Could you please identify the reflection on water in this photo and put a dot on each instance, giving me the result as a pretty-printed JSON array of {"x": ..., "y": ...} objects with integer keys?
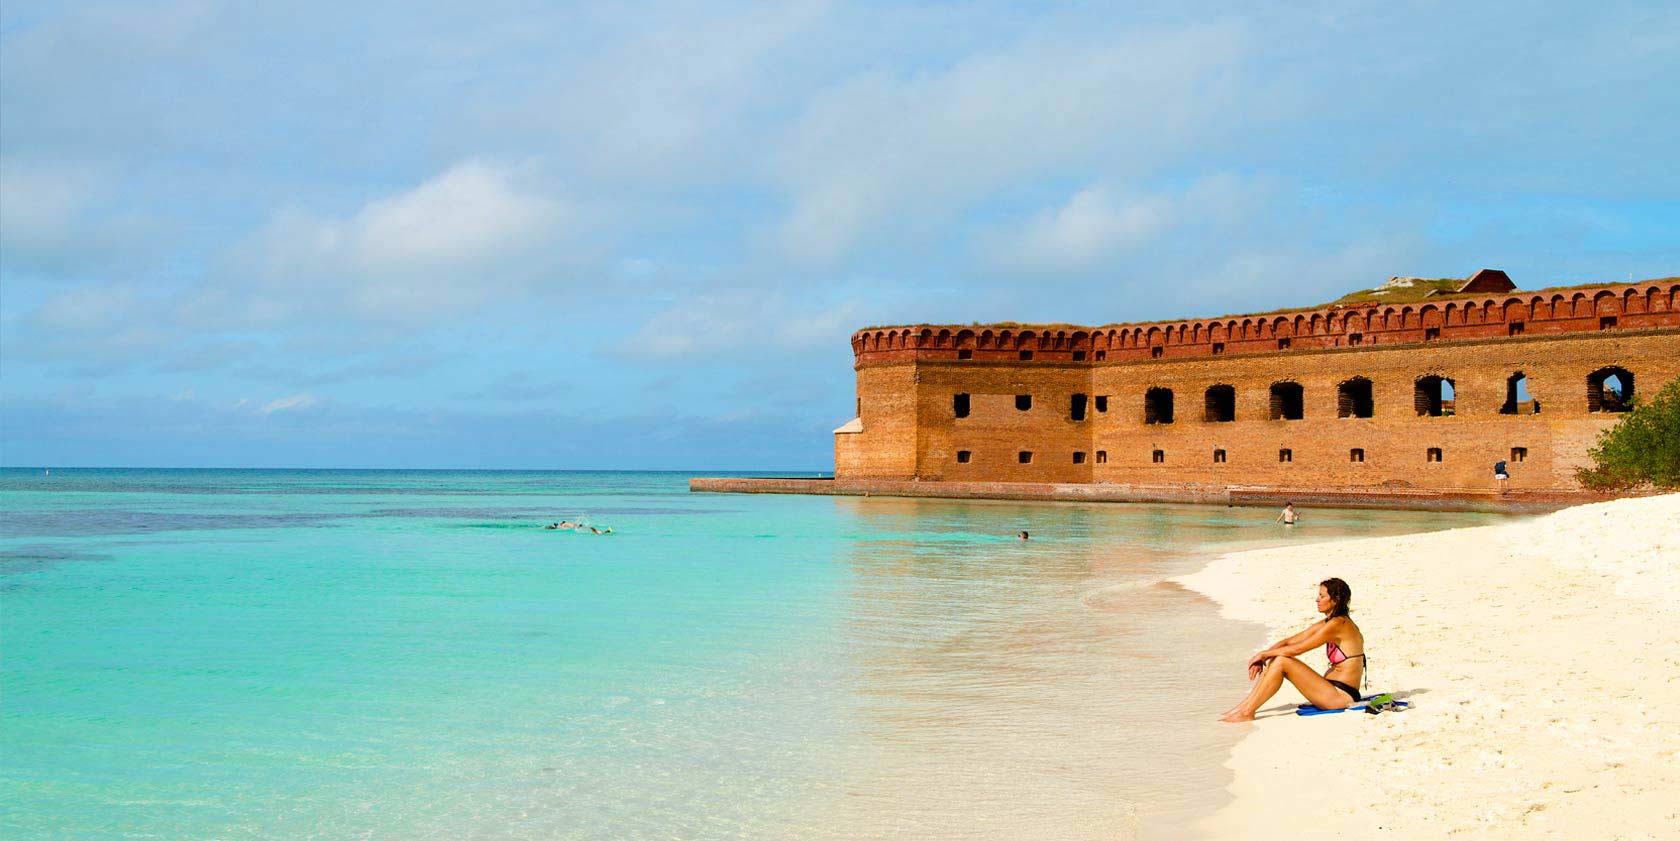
[
  {"x": 1046, "y": 688},
  {"x": 251, "y": 654}
]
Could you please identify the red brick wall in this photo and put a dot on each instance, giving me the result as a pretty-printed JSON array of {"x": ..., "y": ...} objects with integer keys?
[
  {"x": 1645, "y": 305},
  {"x": 907, "y": 376}
]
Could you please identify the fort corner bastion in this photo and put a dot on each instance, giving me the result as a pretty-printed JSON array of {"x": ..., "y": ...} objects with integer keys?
[{"x": 1405, "y": 395}]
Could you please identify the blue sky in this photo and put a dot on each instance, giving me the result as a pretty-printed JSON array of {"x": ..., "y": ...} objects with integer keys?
[{"x": 530, "y": 235}]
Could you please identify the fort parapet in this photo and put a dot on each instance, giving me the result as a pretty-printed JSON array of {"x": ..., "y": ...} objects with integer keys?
[{"x": 1428, "y": 394}]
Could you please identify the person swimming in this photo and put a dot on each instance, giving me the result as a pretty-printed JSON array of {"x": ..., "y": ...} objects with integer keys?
[{"x": 1024, "y": 536}]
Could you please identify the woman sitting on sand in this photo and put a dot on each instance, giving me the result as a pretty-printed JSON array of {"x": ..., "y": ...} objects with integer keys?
[{"x": 1343, "y": 644}]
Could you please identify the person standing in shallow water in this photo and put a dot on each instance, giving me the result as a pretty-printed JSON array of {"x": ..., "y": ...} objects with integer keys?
[
  {"x": 1343, "y": 643},
  {"x": 1288, "y": 516}
]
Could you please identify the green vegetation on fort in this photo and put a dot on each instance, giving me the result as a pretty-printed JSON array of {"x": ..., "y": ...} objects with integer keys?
[
  {"x": 1643, "y": 448},
  {"x": 1434, "y": 289}
]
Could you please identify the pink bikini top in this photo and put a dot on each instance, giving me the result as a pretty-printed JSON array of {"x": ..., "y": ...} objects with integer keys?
[{"x": 1334, "y": 652}]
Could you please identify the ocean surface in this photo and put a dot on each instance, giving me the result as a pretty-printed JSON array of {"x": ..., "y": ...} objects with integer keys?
[{"x": 410, "y": 654}]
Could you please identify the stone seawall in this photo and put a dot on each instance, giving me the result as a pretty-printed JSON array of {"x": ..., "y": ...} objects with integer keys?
[{"x": 1515, "y": 502}]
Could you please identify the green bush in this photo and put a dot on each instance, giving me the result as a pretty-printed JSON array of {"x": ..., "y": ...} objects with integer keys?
[{"x": 1643, "y": 448}]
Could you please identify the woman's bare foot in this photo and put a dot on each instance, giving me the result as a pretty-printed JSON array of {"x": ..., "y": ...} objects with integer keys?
[{"x": 1236, "y": 716}]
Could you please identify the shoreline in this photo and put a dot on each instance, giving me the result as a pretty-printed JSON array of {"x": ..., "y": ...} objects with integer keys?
[
  {"x": 1536, "y": 653},
  {"x": 1471, "y": 500}
]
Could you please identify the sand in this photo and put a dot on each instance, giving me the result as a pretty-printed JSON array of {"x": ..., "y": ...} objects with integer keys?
[{"x": 1542, "y": 658}]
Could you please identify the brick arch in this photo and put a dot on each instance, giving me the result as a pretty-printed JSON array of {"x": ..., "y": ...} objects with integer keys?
[
  {"x": 1605, "y": 303},
  {"x": 1388, "y": 319},
  {"x": 1674, "y": 297},
  {"x": 1315, "y": 325},
  {"x": 1600, "y": 398},
  {"x": 1631, "y": 300},
  {"x": 1219, "y": 403},
  {"x": 1026, "y": 340},
  {"x": 1559, "y": 307},
  {"x": 964, "y": 339},
  {"x": 1578, "y": 304},
  {"x": 988, "y": 339},
  {"x": 1154, "y": 333},
  {"x": 1514, "y": 309},
  {"x": 925, "y": 338},
  {"x": 1354, "y": 398},
  {"x": 1654, "y": 300},
  {"x": 1281, "y": 322},
  {"x": 1081, "y": 340},
  {"x": 1006, "y": 340},
  {"x": 1429, "y": 395},
  {"x": 1429, "y": 316},
  {"x": 904, "y": 338}
]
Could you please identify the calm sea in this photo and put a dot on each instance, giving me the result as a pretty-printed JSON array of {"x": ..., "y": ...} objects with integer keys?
[{"x": 394, "y": 654}]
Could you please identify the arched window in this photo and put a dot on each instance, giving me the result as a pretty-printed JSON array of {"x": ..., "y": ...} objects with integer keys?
[
  {"x": 1221, "y": 404},
  {"x": 1433, "y": 397},
  {"x": 1353, "y": 399},
  {"x": 1158, "y": 405},
  {"x": 1609, "y": 390},
  {"x": 1518, "y": 399},
  {"x": 1287, "y": 402}
]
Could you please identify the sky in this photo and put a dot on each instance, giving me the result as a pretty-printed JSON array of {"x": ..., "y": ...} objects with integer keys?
[{"x": 639, "y": 236}]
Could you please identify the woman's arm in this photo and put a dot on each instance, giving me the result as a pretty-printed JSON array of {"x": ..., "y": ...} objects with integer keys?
[
  {"x": 1292, "y": 640},
  {"x": 1315, "y": 635}
]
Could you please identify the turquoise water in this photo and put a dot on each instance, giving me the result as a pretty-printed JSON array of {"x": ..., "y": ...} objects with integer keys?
[{"x": 348, "y": 654}]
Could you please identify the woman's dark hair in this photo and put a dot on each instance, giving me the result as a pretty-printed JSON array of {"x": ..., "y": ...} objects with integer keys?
[{"x": 1340, "y": 593}]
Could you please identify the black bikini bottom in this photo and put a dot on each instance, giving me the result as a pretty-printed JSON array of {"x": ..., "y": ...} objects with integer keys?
[{"x": 1352, "y": 693}]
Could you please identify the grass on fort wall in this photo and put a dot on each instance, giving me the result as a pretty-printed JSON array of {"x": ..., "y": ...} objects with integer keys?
[
  {"x": 1644, "y": 448},
  {"x": 1366, "y": 296}
]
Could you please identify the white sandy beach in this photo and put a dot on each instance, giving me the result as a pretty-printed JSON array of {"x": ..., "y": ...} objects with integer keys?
[{"x": 1542, "y": 658}]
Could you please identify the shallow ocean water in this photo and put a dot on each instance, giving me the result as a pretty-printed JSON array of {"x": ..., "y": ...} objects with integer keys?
[{"x": 409, "y": 654}]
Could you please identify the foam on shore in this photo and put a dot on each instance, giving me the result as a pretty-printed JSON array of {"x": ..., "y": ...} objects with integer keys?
[{"x": 1542, "y": 658}]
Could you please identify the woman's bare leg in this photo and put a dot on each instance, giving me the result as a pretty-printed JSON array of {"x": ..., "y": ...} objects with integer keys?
[{"x": 1312, "y": 685}]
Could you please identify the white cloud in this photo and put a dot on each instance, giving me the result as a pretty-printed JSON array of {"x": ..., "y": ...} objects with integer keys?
[
  {"x": 880, "y": 151},
  {"x": 761, "y": 320},
  {"x": 454, "y": 241},
  {"x": 1092, "y": 226},
  {"x": 40, "y": 204},
  {"x": 289, "y": 403},
  {"x": 1100, "y": 224}
]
